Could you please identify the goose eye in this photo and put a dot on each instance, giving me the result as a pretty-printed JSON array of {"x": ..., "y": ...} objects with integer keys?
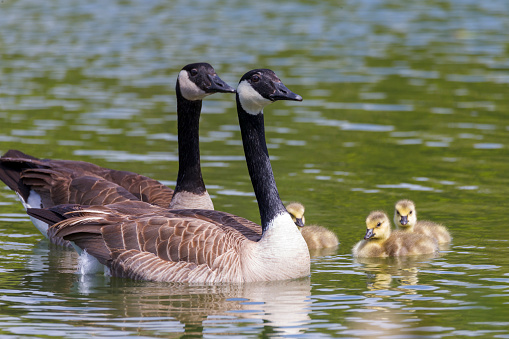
[
  {"x": 194, "y": 71},
  {"x": 410, "y": 212},
  {"x": 255, "y": 78},
  {"x": 378, "y": 224}
]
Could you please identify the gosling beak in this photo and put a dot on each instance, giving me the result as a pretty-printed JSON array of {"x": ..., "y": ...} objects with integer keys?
[
  {"x": 283, "y": 93},
  {"x": 217, "y": 85},
  {"x": 404, "y": 220},
  {"x": 299, "y": 222},
  {"x": 369, "y": 234}
]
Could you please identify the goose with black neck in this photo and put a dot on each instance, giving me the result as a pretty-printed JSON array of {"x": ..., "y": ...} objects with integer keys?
[
  {"x": 198, "y": 246},
  {"x": 257, "y": 89},
  {"x": 194, "y": 83},
  {"x": 47, "y": 182}
]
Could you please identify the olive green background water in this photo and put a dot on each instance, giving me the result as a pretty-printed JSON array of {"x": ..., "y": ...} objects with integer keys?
[{"x": 402, "y": 99}]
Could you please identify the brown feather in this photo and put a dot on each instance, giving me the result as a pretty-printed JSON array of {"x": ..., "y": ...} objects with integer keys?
[{"x": 168, "y": 236}]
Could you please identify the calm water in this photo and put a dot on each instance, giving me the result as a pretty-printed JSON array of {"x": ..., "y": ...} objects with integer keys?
[{"x": 402, "y": 99}]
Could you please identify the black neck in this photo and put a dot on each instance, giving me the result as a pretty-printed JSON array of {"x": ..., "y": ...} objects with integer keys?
[
  {"x": 188, "y": 115},
  {"x": 258, "y": 164}
]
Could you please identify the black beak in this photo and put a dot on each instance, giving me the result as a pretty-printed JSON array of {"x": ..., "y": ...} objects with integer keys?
[
  {"x": 218, "y": 86},
  {"x": 404, "y": 220},
  {"x": 283, "y": 93},
  {"x": 369, "y": 234},
  {"x": 299, "y": 222}
]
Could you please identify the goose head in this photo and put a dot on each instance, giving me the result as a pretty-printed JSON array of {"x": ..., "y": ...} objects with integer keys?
[
  {"x": 405, "y": 215},
  {"x": 378, "y": 226},
  {"x": 260, "y": 87},
  {"x": 296, "y": 210},
  {"x": 196, "y": 81}
]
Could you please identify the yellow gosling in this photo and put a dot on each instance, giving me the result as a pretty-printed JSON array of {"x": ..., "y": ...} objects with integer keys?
[
  {"x": 379, "y": 241},
  {"x": 316, "y": 236},
  {"x": 405, "y": 218}
]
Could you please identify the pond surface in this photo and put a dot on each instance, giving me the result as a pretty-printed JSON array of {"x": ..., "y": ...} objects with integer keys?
[{"x": 402, "y": 99}]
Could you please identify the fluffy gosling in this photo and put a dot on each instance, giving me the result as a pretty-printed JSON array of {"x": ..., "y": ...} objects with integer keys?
[
  {"x": 379, "y": 241},
  {"x": 405, "y": 218},
  {"x": 316, "y": 236}
]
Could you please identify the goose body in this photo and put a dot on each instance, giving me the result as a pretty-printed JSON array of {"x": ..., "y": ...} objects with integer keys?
[
  {"x": 379, "y": 241},
  {"x": 405, "y": 218},
  {"x": 142, "y": 241},
  {"x": 43, "y": 183},
  {"x": 316, "y": 237}
]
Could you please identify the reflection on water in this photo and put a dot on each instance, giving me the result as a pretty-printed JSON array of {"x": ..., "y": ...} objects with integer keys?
[
  {"x": 401, "y": 100},
  {"x": 113, "y": 306},
  {"x": 381, "y": 272}
]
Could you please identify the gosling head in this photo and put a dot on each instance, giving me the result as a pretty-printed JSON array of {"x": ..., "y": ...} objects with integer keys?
[
  {"x": 296, "y": 210},
  {"x": 196, "y": 81},
  {"x": 260, "y": 87},
  {"x": 378, "y": 226},
  {"x": 405, "y": 215}
]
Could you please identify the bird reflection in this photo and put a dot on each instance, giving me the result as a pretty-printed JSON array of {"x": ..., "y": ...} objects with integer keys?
[
  {"x": 323, "y": 252},
  {"x": 280, "y": 307},
  {"x": 394, "y": 272},
  {"x": 382, "y": 315}
]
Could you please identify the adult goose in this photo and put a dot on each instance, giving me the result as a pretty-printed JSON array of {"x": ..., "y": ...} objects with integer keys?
[
  {"x": 46, "y": 183},
  {"x": 198, "y": 246}
]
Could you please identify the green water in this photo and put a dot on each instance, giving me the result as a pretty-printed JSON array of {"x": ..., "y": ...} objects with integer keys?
[{"x": 402, "y": 99}]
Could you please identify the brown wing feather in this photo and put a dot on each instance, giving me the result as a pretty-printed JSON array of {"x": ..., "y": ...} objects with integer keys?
[
  {"x": 144, "y": 188},
  {"x": 247, "y": 228},
  {"x": 169, "y": 237},
  {"x": 12, "y": 164},
  {"x": 146, "y": 266},
  {"x": 20, "y": 171},
  {"x": 132, "y": 234}
]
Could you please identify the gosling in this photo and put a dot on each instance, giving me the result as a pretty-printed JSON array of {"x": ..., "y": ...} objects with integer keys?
[
  {"x": 316, "y": 236},
  {"x": 379, "y": 241},
  {"x": 405, "y": 218}
]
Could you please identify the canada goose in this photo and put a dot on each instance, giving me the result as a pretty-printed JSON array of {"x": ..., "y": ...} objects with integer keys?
[
  {"x": 46, "y": 183},
  {"x": 198, "y": 246},
  {"x": 405, "y": 218},
  {"x": 316, "y": 236},
  {"x": 379, "y": 241}
]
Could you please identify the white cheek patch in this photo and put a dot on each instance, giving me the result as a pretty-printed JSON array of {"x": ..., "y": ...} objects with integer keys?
[
  {"x": 189, "y": 89},
  {"x": 250, "y": 100}
]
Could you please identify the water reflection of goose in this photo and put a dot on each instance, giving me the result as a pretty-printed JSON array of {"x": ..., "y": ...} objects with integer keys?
[
  {"x": 280, "y": 307},
  {"x": 379, "y": 241},
  {"x": 405, "y": 218},
  {"x": 317, "y": 237},
  {"x": 198, "y": 245},
  {"x": 46, "y": 183}
]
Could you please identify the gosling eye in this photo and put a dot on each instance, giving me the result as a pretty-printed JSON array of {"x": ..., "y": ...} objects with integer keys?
[
  {"x": 397, "y": 212},
  {"x": 410, "y": 212},
  {"x": 378, "y": 224},
  {"x": 255, "y": 78},
  {"x": 194, "y": 71}
]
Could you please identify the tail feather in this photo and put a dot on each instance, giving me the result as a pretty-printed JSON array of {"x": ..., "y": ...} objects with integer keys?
[
  {"x": 10, "y": 174},
  {"x": 71, "y": 223},
  {"x": 48, "y": 216},
  {"x": 13, "y": 153},
  {"x": 12, "y": 165}
]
